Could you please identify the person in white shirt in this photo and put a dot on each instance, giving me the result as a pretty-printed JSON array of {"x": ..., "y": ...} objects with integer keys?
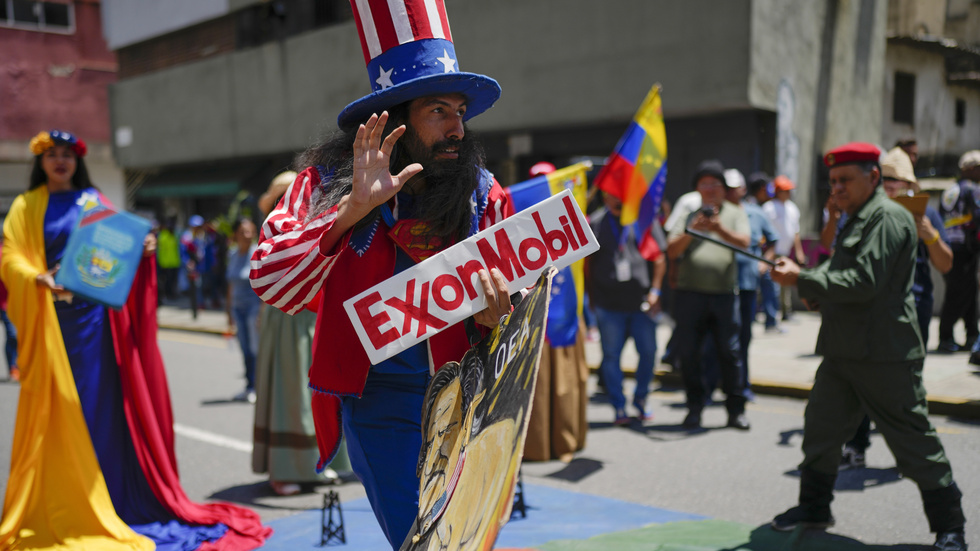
[
  {"x": 785, "y": 217},
  {"x": 685, "y": 205}
]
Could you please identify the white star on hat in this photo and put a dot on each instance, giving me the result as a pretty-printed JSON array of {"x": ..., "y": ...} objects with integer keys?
[
  {"x": 449, "y": 62},
  {"x": 385, "y": 79}
]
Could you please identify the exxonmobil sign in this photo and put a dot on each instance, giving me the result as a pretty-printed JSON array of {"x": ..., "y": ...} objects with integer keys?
[{"x": 445, "y": 289}]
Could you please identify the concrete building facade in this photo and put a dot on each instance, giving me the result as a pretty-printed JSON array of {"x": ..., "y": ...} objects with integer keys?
[
  {"x": 759, "y": 84},
  {"x": 55, "y": 70},
  {"x": 932, "y": 81}
]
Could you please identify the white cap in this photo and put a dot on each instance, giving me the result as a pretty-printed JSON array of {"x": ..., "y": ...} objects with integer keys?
[{"x": 734, "y": 178}]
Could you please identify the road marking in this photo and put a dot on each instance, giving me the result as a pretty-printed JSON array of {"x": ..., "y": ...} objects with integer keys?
[
  {"x": 948, "y": 430},
  {"x": 212, "y": 438}
]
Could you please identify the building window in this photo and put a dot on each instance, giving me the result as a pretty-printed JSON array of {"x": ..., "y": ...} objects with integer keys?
[
  {"x": 54, "y": 17},
  {"x": 960, "y": 112},
  {"x": 903, "y": 104}
]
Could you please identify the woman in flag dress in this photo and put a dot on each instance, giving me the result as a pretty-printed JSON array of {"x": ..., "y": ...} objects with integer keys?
[{"x": 93, "y": 463}]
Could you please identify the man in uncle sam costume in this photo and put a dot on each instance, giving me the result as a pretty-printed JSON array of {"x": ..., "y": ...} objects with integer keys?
[{"x": 401, "y": 181}]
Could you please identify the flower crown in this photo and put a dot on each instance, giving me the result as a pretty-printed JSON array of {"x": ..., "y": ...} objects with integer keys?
[{"x": 46, "y": 140}]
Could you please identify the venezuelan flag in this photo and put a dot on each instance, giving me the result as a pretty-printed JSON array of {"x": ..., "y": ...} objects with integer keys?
[
  {"x": 568, "y": 286},
  {"x": 636, "y": 172}
]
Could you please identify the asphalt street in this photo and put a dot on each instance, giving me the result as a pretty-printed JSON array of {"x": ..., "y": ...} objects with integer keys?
[{"x": 744, "y": 477}]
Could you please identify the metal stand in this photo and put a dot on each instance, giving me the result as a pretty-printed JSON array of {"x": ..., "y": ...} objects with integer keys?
[
  {"x": 331, "y": 529},
  {"x": 519, "y": 505}
]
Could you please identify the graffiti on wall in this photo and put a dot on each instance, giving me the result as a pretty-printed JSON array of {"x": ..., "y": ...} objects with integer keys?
[{"x": 787, "y": 142}]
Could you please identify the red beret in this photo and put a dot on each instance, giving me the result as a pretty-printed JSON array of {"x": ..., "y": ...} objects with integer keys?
[{"x": 854, "y": 152}]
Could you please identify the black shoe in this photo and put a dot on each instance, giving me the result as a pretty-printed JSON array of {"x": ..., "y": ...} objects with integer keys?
[
  {"x": 974, "y": 358},
  {"x": 740, "y": 422},
  {"x": 947, "y": 347},
  {"x": 950, "y": 541},
  {"x": 801, "y": 516},
  {"x": 692, "y": 421}
]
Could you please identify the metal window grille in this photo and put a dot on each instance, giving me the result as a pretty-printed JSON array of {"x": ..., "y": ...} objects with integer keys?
[{"x": 55, "y": 17}]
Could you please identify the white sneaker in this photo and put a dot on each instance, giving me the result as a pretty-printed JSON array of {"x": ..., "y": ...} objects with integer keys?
[
  {"x": 851, "y": 459},
  {"x": 285, "y": 488},
  {"x": 245, "y": 396}
]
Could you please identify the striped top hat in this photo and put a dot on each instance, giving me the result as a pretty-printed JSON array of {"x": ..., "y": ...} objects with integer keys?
[{"x": 409, "y": 53}]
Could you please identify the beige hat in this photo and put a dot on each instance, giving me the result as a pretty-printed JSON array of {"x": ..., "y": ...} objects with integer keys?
[
  {"x": 277, "y": 189},
  {"x": 969, "y": 160},
  {"x": 896, "y": 165}
]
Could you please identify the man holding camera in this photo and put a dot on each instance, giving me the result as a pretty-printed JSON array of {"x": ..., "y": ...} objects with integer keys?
[{"x": 706, "y": 291}]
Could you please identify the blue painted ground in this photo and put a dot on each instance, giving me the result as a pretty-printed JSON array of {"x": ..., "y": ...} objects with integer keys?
[{"x": 552, "y": 515}]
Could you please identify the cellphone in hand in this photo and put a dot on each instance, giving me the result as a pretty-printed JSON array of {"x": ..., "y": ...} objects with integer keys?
[{"x": 708, "y": 212}]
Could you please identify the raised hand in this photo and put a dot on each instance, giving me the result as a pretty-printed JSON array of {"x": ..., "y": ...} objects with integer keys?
[{"x": 373, "y": 182}]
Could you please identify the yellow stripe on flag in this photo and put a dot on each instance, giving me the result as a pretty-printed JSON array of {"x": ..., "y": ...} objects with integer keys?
[{"x": 574, "y": 178}]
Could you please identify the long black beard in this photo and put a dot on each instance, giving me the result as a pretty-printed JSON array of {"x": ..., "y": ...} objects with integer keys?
[{"x": 445, "y": 203}]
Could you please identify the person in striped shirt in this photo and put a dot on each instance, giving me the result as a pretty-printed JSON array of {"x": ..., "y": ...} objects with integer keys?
[{"x": 402, "y": 180}]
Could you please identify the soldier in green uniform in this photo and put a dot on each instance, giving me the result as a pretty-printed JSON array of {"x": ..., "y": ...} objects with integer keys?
[{"x": 872, "y": 352}]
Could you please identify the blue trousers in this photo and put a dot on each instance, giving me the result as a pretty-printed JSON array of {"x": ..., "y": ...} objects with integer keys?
[
  {"x": 383, "y": 429},
  {"x": 11, "y": 344},
  {"x": 614, "y": 328},
  {"x": 746, "y": 305},
  {"x": 923, "y": 309},
  {"x": 770, "y": 299},
  {"x": 246, "y": 320}
]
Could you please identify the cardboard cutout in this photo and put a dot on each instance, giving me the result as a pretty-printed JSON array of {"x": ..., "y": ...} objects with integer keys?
[{"x": 474, "y": 422}]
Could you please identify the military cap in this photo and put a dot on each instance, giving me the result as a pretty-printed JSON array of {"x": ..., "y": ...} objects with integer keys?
[{"x": 854, "y": 152}]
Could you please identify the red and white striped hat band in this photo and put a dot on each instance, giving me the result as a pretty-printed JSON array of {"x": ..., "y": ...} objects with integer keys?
[{"x": 409, "y": 52}]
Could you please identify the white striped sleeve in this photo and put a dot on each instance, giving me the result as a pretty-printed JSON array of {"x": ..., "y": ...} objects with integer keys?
[{"x": 287, "y": 267}]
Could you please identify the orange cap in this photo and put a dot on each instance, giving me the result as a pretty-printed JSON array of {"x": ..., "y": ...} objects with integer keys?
[{"x": 783, "y": 183}]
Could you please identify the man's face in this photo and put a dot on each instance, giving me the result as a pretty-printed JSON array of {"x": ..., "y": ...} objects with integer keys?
[
  {"x": 851, "y": 186},
  {"x": 783, "y": 195},
  {"x": 613, "y": 204},
  {"x": 712, "y": 190},
  {"x": 972, "y": 173},
  {"x": 734, "y": 195},
  {"x": 895, "y": 188},
  {"x": 913, "y": 152},
  {"x": 435, "y": 127}
]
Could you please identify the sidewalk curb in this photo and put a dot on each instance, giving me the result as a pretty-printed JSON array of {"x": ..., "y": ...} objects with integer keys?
[
  {"x": 938, "y": 405},
  {"x": 208, "y": 330}
]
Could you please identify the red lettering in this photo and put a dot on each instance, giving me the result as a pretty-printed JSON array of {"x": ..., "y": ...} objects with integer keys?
[
  {"x": 573, "y": 214},
  {"x": 372, "y": 323},
  {"x": 466, "y": 273},
  {"x": 413, "y": 312},
  {"x": 568, "y": 233},
  {"x": 527, "y": 245},
  {"x": 507, "y": 258},
  {"x": 440, "y": 283},
  {"x": 549, "y": 238}
]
